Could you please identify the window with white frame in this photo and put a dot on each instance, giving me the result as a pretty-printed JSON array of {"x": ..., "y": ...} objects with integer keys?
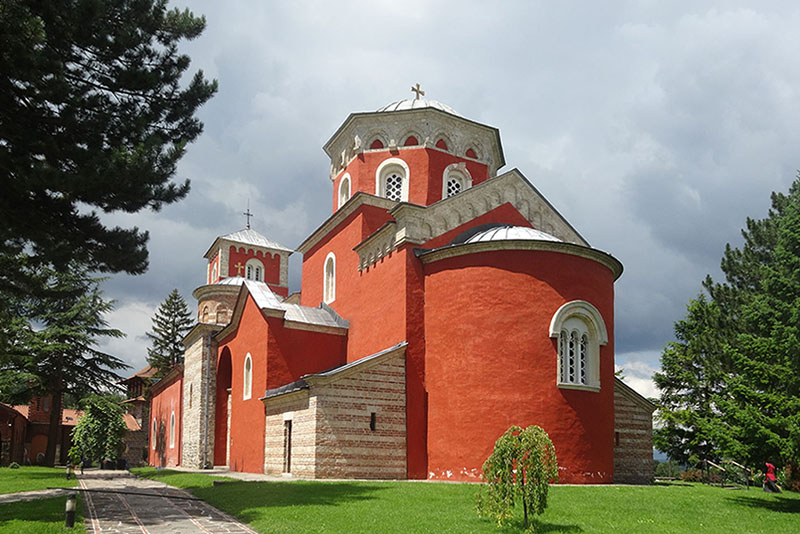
[
  {"x": 254, "y": 270},
  {"x": 456, "y": 178},
  {"x": 344, "y": 190},
  {"x": 213, "y": 273},
  {"x": 392, "y": 180},
  {"x": 580, "y": 331},
  {"x": 154, "y": 435},
  {"x": 329, "y": 283},
  {"x": 247, "y": 388},
  {"x": 172, "y": 430}
]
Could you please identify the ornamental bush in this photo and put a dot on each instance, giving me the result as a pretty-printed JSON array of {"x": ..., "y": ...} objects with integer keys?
[{"x": 521, "y": 468}]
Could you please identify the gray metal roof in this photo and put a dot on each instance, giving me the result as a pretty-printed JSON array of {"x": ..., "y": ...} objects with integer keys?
[
  {"x": 323, "y": 315},
  {"x": 511, "y": 233},
  {"x": 288, "y": 388},
  {"x": 231, "y": 281},
  {"x": 413, "y": 103},
  {"x": 251, "y": 237}
]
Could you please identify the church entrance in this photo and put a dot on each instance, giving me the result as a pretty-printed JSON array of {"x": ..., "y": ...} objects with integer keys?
[{"x": 222, "y": 411}]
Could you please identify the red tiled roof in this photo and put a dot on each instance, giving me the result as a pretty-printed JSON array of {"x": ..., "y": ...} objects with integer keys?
[
  {"x": 146, "y": 372},
  {"x": 23, "y": 409},
  {"x": 131, "y": 422},
  {"x": 70, "y": 417},
  {"x": 10, "y": 408}
]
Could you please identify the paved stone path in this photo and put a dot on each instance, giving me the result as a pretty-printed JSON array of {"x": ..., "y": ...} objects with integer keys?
[{"x": 160, "y": 512}]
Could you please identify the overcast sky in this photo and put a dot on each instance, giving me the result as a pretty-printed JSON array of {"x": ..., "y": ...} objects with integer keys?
[{"x": 655, "y": 128}]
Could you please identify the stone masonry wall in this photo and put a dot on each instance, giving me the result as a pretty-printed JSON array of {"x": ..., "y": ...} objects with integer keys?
[
  {"x": 633, "y": 435},
  {"x": 346, "y": 447},
  {"x": 301, "y": 410},
  {"x": 196, "y": 393}
]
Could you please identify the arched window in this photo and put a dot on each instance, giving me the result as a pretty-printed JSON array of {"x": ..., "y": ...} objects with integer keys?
[
  {"x": 247, "y": 388},
  {"x": 580, "y": 331},
  {"x": 154, "y": 434},
  {"x": 214, "y": 273},
  {"x": 329, "y": 284},
  {"x": 254, "y": 270},
  {"x": 456, "y": 178},
  {"x": 172, "y": 430},
  {"x": 391, "y": 180},
  {"x": 344, "y": 190},
  {"x": 204, "y": 315}
]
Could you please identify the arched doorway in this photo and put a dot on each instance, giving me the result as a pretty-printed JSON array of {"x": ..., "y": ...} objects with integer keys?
[{"x": 221, "y": 413}]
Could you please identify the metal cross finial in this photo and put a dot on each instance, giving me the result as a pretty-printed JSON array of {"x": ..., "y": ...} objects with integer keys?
[
  {"x": 417, "y": 90},
  {"x": 248, "y": 214}
]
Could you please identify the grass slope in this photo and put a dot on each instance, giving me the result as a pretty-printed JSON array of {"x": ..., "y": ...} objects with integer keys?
[
  {"x": 29, "y": 478},
  {"x": 44, "y": 516},
  {"x": 409, "y": 507}
]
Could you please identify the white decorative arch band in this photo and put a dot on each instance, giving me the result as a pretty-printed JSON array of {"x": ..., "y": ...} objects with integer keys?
[
  {"x": 385, "y": 166},
  {"x": 329, "y": 278},
  {"x": 456, "y": 169},
  {"x": 585, "y": 311}
]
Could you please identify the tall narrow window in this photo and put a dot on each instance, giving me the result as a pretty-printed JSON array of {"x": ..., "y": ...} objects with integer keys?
[
  {"x": 154, "y": 434},
  {"x": 287, "y": 446},
  {"x": 247, "y": 388},
  {"x": 581, "y": 331},
  {"x": 372, "y": 421},
  {"x": 190, "y": 395},
  {"x": 344, "y": 190},
  {"x": 329, "y": 291},
  {"x": 204, "y": 315},
  {"x": 172, "y": 430}
]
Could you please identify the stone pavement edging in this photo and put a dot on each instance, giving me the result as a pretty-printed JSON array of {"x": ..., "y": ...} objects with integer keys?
[
  {"x": 33, "y": 495},
  {"x": 159, "y": 511}
]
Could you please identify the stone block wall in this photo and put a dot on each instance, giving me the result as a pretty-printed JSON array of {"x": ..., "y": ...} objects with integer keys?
[
  {"x": 331, "y": 424},
  {"x": 197, "y": 396},
  {"x": 136, "y": 442},
  {"x": 300, "y": 409},
  {"x": 633, "y": 437}
]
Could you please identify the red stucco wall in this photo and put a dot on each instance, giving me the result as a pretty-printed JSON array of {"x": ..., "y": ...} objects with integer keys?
[
  {"x": 167, "y": 399},
  {"x": 425, "y": 166},
  {"x": 490, "y": 362},
  {"x": 247, "y": 416},
  {"x": 279, "y": 355},
  {"x": 240, "y": 256}
]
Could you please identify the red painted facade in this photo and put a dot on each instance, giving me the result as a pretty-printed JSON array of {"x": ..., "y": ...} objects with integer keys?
[
  {"x": 279, "y": 356},
  {"x": 166, "y": 403},
  {"x": 426, "y": 168},
  {"x": 490, "y": 363},
  {"x": 479, "y": 356}
]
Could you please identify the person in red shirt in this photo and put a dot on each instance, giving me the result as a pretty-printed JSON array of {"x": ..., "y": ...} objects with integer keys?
[{"x": 770, "y": 482}]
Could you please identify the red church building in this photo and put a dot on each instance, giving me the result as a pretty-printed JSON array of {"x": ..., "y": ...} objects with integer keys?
[{"x": 442, "y": 302}]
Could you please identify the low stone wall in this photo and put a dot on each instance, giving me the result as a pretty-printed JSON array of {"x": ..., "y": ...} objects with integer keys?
[{"x": 633, "y": 437}]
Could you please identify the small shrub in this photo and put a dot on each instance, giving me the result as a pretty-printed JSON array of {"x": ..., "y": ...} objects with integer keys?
[
  {"x": 692, "y": 475},
  {"x": 13, "y": 465}
]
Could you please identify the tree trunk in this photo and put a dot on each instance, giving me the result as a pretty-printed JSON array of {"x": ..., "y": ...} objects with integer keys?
[
  {"x": 524, "y": 501},
  {"x": 54, "y": 431}
]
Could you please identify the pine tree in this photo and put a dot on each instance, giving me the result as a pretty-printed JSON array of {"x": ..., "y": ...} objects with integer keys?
[
  {"x": 55, "y": 350},
  {"x": 94, "y": 115},
  {"x": 739, "y": 377},
  {"x": 171, "y": 323}
]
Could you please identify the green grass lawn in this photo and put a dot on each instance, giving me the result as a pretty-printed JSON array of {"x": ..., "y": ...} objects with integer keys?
[
  {"x": 44, "y": 516},
  {"x": 408, "y": 507},
  {"x": 30, "y": 478}
]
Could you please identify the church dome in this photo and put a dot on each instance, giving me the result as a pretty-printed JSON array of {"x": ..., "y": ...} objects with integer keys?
[
  {"x": 511, "y": 233},
  {"x": 413, "y": 103}
]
